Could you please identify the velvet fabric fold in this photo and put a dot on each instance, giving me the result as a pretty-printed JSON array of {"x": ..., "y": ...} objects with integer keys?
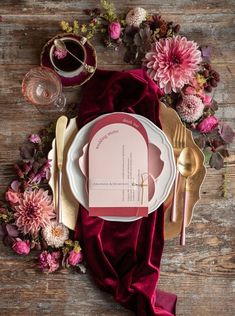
[{"x": 124, "y": 258}]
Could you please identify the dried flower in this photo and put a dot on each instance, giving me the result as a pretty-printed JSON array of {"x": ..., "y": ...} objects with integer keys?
[
  {"x": 34, "y": 211},
  {"x": 172, "y": 62},
  {"x": 190, "y": 109},
  {"x": 22, "y": 247},
  {"x": 136, "y": 16},
  {"x": 12, "y": 197},
  {"x": 60, "y": 53},
  {"x": 49, "y": 262},
  {"x": 74, "y": 258},
  {"x": 35, "y": 138},
  {"x": 114, "y": 30},
  {"x": 208, "y": 124},
  {"x": 55, "y": 234}
]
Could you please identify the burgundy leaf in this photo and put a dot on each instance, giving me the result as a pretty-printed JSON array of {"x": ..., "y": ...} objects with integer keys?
[
  {"x": 226, "y": 132},
  {"x": 12, "y": 230},
  {"x": 206, "y": 52},
  {"x": 15, "y": 185},
  {"x": 216, "y": 161},
  {"x": 8, "y": 241},
  {"x": 2, "y": 230},
  {"x": 27, "y": 151},
  {"x": 200, "y": 141}
]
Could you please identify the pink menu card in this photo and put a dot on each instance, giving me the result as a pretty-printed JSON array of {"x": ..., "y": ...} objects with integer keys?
[{"x": 118, "y": 167}]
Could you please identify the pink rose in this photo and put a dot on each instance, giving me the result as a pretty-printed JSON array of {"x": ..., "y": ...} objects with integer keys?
[
  {"x": 114, "y": 30},
  {"x": 207, "y": 99},
  {"x": 12, "y": 197},
  {"x": 49, "y": 262},
  {"x": 22, "y": 247},
  {"x": 74, "y": 258},
  {"x": 208, "y": 124}
]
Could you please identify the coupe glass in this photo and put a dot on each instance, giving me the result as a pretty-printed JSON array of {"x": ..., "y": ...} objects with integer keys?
[{"x": 42, "y": 87}]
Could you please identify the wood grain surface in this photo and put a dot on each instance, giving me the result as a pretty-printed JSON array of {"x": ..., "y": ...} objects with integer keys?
[{"x": 201, "y": 273}]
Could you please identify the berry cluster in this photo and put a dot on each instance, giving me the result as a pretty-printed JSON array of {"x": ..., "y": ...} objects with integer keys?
[{"x": 212, "y": 77}]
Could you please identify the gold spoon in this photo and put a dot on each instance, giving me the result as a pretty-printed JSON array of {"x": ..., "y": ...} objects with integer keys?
[
  {"x": 186, "y": 166},
  {"x": 62, "y": 46}
]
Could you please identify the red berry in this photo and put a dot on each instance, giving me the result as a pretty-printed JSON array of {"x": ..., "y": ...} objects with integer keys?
[
  {"x": 208, "y": 88},
  {"x": 213, "y": 82},
  {"x": 206, "y": 73}
]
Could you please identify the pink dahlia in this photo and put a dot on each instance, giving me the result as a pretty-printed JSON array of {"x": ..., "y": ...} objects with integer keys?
[
  {"x": 172, "y": 62},
  {"x": 190, "y": 109},
  {"x": 34, "y": 211},
  {"x": 208, "y": 124},
  {"x": 49, "y": 262}
]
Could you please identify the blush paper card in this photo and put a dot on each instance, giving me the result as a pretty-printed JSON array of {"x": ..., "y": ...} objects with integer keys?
[{"x": 118, "y": 167}]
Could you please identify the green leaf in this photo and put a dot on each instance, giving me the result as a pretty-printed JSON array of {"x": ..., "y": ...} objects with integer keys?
[{"x": 207, "y": 154}]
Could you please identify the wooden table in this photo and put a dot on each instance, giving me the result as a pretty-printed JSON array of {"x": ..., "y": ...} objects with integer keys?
[{"x": 201, "y": 274}]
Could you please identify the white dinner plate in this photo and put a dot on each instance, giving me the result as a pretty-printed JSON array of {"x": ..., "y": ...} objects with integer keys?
[{"x": 163, "y": 183}]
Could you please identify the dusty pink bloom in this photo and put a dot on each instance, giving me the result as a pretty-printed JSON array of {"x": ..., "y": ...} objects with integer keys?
[
  {"x": 190, "y": 109},
  {"x": 35, "y": 138},
  {"x": 74, "y": 258},
  {"x": 114, "y": 30},
  {"x": 136, "y": 16},
  {"x": 60, "y": 53},
  {"x": 34, "y": 211},
  {"x": 55, "y": 234},
  {"x": 208, "y": 124},
  {"x": 22, "y": 247},
  {"x": 49, "y": 262},
  {"x": 172, "y": 62},
  {"x": 12, "y": 197}
]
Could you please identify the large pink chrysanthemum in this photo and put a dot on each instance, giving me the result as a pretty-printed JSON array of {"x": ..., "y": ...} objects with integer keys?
[
  {"x": 172, "y": 62},
  {"x": 34, "y": 211}
]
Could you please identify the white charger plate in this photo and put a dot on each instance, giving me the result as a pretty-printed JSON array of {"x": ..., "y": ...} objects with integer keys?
[{"x": 163, "y": 183}]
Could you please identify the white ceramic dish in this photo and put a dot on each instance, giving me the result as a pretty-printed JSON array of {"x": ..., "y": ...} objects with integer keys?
[{"x": 163, "y": 183}]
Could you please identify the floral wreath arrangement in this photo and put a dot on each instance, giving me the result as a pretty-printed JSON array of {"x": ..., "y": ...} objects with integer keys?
[{"x": 182, "y": 70}]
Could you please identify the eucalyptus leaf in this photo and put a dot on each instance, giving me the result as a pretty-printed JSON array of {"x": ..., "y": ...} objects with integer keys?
[
  {"x": 216, "y": 161},
  {"x": 207, "y": 154}
]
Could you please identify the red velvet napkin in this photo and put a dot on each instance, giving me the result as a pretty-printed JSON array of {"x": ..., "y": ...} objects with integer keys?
[{"x": 125, "y": 257}]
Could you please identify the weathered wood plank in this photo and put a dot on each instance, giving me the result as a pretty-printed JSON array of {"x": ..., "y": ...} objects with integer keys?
[
  {"x": 181, "y": 7},
  {"x": 219, "y": 34},
  {"x": 202, "y": 273}
]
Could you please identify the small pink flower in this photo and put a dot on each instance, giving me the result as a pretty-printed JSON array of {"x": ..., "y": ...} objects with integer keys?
[
  {"x": 208, "y": 124},
  {"x": 74, "y": 258},
  {"x": 49, "y": 262},
  {"x": 12, "y": 197},
  {"x": 60, "y": 53},
  {"x": 22, "y": 247},
  {"x": 190, "y": 90},
  {"x": 114, "y": 30},
  {"x": 207, "y": 99},
  {"x": 35, "y": 138}
]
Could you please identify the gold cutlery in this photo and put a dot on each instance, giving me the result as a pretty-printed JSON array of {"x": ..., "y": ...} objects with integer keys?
[
  {"x": 179, "y": 143},
  {"x": 60, "y": 130},
  {"x": 186, "y": 166},
  {"x": 62, "y": 46}
]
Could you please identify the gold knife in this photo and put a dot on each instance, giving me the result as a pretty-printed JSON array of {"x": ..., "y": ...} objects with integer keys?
[{"x": 59, "y": 135}]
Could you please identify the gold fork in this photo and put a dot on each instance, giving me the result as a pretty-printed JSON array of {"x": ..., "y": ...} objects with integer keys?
[{"x": 179, "y": 143}]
